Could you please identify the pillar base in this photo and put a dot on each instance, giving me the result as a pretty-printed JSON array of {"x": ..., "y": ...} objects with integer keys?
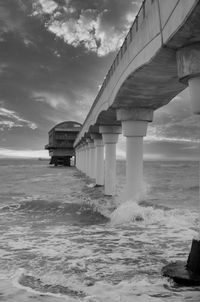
[{"x": 186, "y": 273}]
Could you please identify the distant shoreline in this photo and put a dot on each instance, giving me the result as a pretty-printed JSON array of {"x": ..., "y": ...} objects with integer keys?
[{"x": 118, "y": 159}]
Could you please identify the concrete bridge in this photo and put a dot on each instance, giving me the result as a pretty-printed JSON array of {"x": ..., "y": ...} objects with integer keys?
[{"x": 158, "y": 59}]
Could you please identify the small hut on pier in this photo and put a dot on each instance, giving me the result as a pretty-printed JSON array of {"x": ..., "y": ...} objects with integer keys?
[{"x": 61, "y": 140}]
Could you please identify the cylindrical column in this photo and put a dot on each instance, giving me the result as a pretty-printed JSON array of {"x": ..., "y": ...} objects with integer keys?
[
  {"x": 194, "y": 88},
  {"x": 188, "y": 59},
  {"x": 87, "y": 161},
  {"x": 91, "y": 159},
  {"x": 134, "y": 132},
  {"x": 110, "y": 168},
  {"x": 134, "y": 127},
  {"x": 81, "y": 158},
  {"x": 99, "y": 159},
  {"x": 99, "y": 162},
  {"x": 77, "y": 158},
  {"x": 110, "y": 137},
  {"x": 84, "y": 159}
]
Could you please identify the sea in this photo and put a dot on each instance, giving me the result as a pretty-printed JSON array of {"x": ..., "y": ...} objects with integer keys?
[{"x": 61, "y": 239}]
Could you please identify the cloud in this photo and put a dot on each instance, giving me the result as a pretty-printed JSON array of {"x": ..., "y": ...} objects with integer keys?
[
  {"x": 86, "y": 31},
  {"x": 155, "y": 138},
  {"x": 99, "y": 28},
  {"x": 10, "y": 119},
  {"x": 54, "y": 55},
  {"x": 54, "y": 100},
  {"x": 175, "y": 122},
  {"x": 44, "y": 7},
  {"x": 23, "y": 153}
]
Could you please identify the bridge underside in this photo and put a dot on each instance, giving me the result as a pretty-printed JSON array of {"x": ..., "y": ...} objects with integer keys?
[
  {"x": 143, "y": 78},
  {"x": 156, "y": 83},
  {"x": 155, "y": 65}
]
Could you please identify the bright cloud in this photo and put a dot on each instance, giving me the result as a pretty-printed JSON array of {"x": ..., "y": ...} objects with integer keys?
[
  {"x": 87, "y": 31},
  {"x": 84, "y": 28},
  {"x": 23, "y": 153},
  {"x": 44, "y": 6},
  {"x": 77, "y": 32},
  {"x": 54, "y": 100},
  {"x": 10, "y": 119},
  {"x": 152, "y": 138}
]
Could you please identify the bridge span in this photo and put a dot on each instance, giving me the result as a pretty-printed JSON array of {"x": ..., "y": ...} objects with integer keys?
[{"x": 159, "y": 58}]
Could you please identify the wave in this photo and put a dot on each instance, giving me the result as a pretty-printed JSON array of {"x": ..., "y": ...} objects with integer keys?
[
  {"x": 84, "y": 212},
  {"x": 11, "y": 207},
  {"x": 142, "y": 211}
]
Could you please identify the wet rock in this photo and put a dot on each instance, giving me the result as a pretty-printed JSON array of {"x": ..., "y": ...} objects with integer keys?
[{"x": 186, "y": 273}]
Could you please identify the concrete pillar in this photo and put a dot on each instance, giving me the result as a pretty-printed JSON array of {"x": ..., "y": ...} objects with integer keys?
[
  {"x": 188, "y": 63},
  {"x": 81, "y": 158},
  {"x": 91, "y": 159},
  {"x": 99, "y": 159},
  {"x": 134, "y": 127},
  {"x": 84, "y": 159},
  {"x": 87, "y": 160},
  {"x": 110, "y": 137},
  {"x": 77, "y": 158}
]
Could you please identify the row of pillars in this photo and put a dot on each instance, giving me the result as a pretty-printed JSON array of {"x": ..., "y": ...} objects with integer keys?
[
  {"x": 134, "y": 121},
  {"x": 90, "y": 153}
]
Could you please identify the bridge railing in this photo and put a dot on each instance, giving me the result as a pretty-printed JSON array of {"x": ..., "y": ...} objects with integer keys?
[{"x": 127, "y": 41}]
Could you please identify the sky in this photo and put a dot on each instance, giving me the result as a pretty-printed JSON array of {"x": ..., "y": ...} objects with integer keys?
[{"x": 54, "y": 55}]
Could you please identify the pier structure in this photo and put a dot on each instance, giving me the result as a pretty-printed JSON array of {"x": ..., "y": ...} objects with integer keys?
[
  {"x": 61, "y": 140},
  {"x": 158, "y": 59}
]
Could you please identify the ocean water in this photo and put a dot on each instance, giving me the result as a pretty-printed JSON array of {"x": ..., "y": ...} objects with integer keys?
[{"x": 61, "y": 239}]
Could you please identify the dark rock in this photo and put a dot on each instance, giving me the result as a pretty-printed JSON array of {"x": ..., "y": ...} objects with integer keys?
[
  {"x": 186, "y": 273},
  {"x": 193, "y": 262}
]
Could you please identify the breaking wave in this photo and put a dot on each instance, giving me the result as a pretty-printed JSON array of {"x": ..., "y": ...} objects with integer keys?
[{"x": 142, "y": 211}]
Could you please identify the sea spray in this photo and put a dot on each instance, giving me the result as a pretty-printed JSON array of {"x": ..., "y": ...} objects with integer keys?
[
  {"x": 146, "y": 188},
  {"x": 132, "y": 211}
]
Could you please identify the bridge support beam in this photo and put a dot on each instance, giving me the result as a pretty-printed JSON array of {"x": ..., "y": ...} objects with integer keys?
[
  {"x": 134, "y": 127},
  {"x": 110, "y": 137},
  {"x": 99, "y": 159}
]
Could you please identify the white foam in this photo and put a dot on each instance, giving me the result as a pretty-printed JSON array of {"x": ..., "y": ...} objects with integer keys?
[
  {"x": 131, "y": 211},
  {"x": 92, "y": 185},
  {"x": 126, "y": 291}
]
